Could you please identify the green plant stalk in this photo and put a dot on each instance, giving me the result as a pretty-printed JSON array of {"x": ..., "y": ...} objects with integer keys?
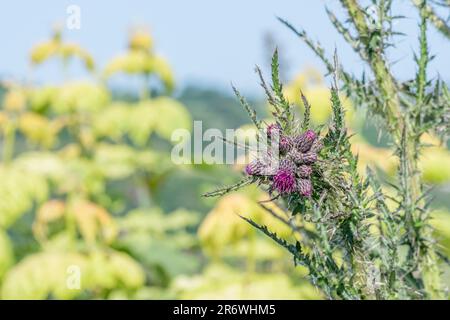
[
  {"x": 423, "y": 60},
  {"x": 396, "y": 121},
  {"x": 431, "y": 271},
  {"x": 377, "y": 63},
  {"x": 399, "y": 125},
  {"x": 437, "y": 21}
]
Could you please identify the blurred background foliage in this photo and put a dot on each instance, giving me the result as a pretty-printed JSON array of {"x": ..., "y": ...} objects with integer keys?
[{"x": 86, "y": 182}]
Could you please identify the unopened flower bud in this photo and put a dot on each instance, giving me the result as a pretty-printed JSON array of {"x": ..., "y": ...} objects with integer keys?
[
  {"x": 285, "y": 144},
  {"x": 316, "y": 146},
  {"x": 304, "y": 187},
  {"x": 273, "y": 129},
  {"x": 254, "y": 168},
  {"x": 304, "y": 171},
  {"x": 303, "y": 158},
  {"x": 309, "y": 157},
  {"x": 304, "y": 141}
]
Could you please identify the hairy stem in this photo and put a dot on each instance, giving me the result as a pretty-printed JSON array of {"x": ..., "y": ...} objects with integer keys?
[
  {"x": 398, "y": 122},
  {"x": 437, "y": 21}
]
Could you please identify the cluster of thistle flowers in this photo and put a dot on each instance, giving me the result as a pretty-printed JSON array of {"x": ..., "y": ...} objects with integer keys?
[{"x": 291, "y": 171}]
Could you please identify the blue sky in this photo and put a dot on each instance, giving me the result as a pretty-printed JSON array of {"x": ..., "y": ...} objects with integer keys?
[{"x": 207, "y": 42}]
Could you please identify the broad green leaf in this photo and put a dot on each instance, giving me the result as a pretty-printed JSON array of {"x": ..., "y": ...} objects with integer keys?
[
  {"x": 19, "y": 191},
  {"x": 113, "y": 121},
  {"x": 115, "y": 161},
  {"x": 80, "y": 97},
  {"x": 56, "y": 274},
  {"x": 171, "y": 115}
]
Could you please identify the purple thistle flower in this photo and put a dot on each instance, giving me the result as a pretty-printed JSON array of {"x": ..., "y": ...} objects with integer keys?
[
  {"x": 316, "y": 146},
  {"x": 309, "y": 157},
  {"x": 303, "y": 158},
  {"x": 254, "y": 168},
  {"x": 305, "y": 187},
  {"x": 304, "y": 171},
  {"x": 304, "y": 141},
  {"x": 284, "y": 179},
  {"x": 285, "y": 144},
  {"x": 272, "y": 129}
]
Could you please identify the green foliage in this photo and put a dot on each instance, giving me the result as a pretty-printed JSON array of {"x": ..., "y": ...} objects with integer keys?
[
  {"x": 222, "y": 282},
  {"x": 76, "y": 97},
  {"x": 140, "y": 59},
  {"x": 99, "y": 271},
  {"x": 72, "y": 159},
  {"x": 6, "y": 253},
  {"x": 85, "y": 175},
  {"x": 160, "y": 241},
  {"x": 20, "y": 191},
  {"x": 56, "y": 48},
  {"x": 138, "y": 121}
]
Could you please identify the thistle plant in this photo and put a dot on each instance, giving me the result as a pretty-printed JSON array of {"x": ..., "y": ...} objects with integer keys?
[{"x": 357, "y": 240}]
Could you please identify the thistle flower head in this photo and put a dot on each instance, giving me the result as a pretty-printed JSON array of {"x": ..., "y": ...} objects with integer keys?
[
  {"x": 316, "y": 146},
  {"x": 284, "y": 180},
  {"x": 309, "y": 158},
  {"x": 303, "y": 158},
  {"x": 273, "y": 129},
  {"x": 304, "y": 187},
  {"x": 304, "y": 141},
  {"x": 254, "y": 168},
  {"x": 285, "y": 144},
  {"x": 304, "y": 171},
  {"x": 310, "y": 134}
]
